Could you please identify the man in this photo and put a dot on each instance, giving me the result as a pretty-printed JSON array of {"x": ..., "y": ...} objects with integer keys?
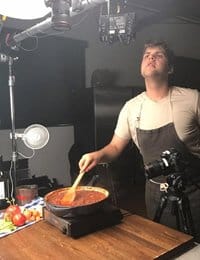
[{"x": 161, "y": 118}]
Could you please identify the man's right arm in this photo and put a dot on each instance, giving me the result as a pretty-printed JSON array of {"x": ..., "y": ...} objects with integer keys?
[{"x": 106, "y": 154}]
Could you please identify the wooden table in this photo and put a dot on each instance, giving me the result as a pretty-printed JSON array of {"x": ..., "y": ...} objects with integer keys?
[{"x": 135, "y": 238}]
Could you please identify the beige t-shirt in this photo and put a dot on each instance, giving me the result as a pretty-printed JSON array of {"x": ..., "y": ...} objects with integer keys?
[{"x": 181, "y": 106}]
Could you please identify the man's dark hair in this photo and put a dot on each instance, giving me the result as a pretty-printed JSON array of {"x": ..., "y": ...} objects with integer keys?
[{"x": 169, "y": 53}]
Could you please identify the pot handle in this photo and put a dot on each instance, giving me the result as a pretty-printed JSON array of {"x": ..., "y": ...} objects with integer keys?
[{"x": 93, "y": 180}]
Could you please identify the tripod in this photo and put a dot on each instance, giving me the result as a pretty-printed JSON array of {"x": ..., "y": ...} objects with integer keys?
[{"x": 180, "y": 204}]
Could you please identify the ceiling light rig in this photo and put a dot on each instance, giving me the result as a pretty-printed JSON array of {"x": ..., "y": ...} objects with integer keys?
[
  {"x": 60, "y": 12},
  {"x": 116, "y": 25}
]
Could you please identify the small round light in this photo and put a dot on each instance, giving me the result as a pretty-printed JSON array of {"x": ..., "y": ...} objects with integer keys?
[{"x": 36, "y": 136}]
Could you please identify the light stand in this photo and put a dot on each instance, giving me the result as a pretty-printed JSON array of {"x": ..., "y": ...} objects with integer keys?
[
  {"x": 11, "y": 81},
  {"x": 34, "y": 137}
]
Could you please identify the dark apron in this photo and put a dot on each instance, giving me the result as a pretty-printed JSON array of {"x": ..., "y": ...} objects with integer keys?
[{"x": 152, "y": 144}]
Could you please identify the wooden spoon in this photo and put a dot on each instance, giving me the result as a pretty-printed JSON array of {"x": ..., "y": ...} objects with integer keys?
[{"x": 71, "y": 192}]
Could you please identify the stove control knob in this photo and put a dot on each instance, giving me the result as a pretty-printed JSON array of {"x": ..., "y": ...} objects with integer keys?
[{"x": 64, "y": 230}]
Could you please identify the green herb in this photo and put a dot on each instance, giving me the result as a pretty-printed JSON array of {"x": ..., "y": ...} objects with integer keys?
[{"x": 6, "y": 226}]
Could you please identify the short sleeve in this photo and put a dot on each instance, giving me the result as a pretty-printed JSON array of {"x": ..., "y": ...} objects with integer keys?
[
  {"x": 198, "y": 108},
  {"x": 122, "y": 129}
]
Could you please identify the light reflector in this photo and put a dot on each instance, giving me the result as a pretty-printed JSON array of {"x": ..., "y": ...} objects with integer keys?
[
  {"x": 24, "y": 9},
  {"x": 35, "y": 136}
]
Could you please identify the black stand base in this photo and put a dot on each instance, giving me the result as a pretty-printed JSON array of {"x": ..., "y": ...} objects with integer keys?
[{"x": 180, "y": 208}]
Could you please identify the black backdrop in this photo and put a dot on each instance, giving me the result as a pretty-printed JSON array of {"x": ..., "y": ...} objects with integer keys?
[
  {"x": 186, "y": 72},
  {"x": 45, "y": 79}
]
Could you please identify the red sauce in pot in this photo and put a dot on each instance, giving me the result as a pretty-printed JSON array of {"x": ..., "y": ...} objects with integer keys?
[{"x": 83, "y": 198}]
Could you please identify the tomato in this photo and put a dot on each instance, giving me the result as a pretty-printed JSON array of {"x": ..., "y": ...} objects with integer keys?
[
  {"x": 12, "y": 210},
  {"x": 19, "y": 219},
  {"x": 7, "y": 216}
]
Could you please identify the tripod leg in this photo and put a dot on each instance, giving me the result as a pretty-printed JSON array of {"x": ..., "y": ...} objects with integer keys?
[
  {"x": 160, "y": 208},
  {"x": 175, "y": 212},
  {"x": 186, "y": 216}
]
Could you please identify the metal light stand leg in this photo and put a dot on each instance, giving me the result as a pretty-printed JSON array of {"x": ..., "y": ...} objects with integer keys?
[{"x": 11, "y": 82}]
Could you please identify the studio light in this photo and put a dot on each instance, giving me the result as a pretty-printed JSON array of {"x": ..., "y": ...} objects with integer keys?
[
  {"x": 115, "y": 24},
  {"x": 35, "y": 136},
  {"x": 24, "y": 9},
  {"x": 117, "y": 28},
  {"x": 60, "y": 13}
]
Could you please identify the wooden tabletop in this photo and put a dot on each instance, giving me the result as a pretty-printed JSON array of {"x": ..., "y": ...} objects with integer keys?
[{"x": 135, "y": 238}]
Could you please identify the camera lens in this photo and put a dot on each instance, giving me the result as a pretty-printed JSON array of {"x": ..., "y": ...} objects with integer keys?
[
  {"x": 171, "y": 162},
  {"x": 155, "y": 169}
]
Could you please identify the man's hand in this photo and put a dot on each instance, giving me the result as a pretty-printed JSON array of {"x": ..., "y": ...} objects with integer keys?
[
  {"x": 107, "y": 154},
  {"x": 89, "y": 161}
]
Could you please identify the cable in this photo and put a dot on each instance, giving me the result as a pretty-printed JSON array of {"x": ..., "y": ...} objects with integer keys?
[
  {"x": 27, "y": 157},
  {"x": 11, "y": 182}
]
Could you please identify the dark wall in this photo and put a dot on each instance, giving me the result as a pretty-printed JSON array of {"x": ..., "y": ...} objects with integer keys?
[
  {"x": 94, "y": 122},
  {"x": 46, "y": 74},
  {"x": 186, "y": 72}
]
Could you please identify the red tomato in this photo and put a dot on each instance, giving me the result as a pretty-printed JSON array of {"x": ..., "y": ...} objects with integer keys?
[
  {"x": 19, "y": 219},
  {"x": 12, "y": 210},
  {"x": 7, "y": 216}
]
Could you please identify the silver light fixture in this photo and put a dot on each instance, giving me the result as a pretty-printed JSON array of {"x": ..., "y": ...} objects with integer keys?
[{"x": 35, "y": 136}]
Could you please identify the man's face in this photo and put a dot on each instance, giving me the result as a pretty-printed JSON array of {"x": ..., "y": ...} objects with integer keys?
[{"x": 154, "y": 63}]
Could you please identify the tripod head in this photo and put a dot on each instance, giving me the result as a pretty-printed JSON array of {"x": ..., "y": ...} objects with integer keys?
[{"x": 176, "y": 182}]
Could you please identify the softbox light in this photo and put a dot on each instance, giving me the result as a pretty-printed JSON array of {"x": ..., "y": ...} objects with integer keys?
[
  {"x": 35, "y": 136},
  {"x": 24, "y": 9}
]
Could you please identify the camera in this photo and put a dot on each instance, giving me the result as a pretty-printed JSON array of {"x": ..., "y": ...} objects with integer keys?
[{"x": 171, "y": 162}]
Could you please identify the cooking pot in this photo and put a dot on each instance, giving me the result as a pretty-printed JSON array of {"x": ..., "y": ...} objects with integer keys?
[{"x": 65, "y": 211}]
